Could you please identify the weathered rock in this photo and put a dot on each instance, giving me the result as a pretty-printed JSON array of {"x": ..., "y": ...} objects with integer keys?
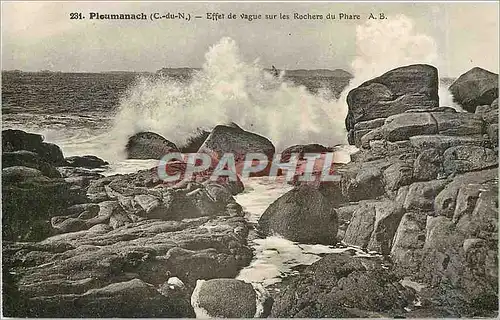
[
  {"x": 392, "y": 93},
  {"x": 489, "y": 113},
  {"x": 406, "y": 251},
  {"x": 428, "y": 165},
  {"x": 458, "y": 124},
  {"x": 237, "y": 142},
  {"x": 29, "y": 159},
  {"x": 29, "y": 200},
  {"x": 421, "y": 195},
  {"x": 373, "y": 225},
  {"x": 133, "y": 298},
  {"x": 331, "y": 288},
  {"x": 87, "y": 161},
  {"x": 148, "y": 145},
  {"x": 363, "y": 127},
  {"x": 230, "y": 298},
  {"x": 379, "y": 149},
  {"x": 94, "y": 261},
  {"x": 468, "y": 158},
  {"x": 492, "y": 132},
  {"x": 405, "y": 125},
  {"x": 16, "y": 140},
  {"x": 302, "y": 214},
  {"x": 364, "y": 181},
  {"x": 474, "y": 88},
  {"x": 464, "y": 269},
  {"x": 446, "y": 200},
  {"x": 443, "y": 142},
  {"x": 476, "y": 211},
  {"x": 398, "y": 174}
]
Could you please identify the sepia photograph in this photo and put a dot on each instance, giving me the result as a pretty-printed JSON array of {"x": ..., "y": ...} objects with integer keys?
[{"x": 237, "y": 159}]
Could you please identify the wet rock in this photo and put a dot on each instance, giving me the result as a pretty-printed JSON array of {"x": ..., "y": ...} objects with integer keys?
[
  {"x": 474, "y": 88},
  {"x": 148, "y": 145},
  {"x": 302, "y": 149},
  {"x": 16, "y": 140},
  {"x": 398, "y": 174},
  {"x": 230, "y": 298},
  {"x": 468, "y": 158},
  {"x": 302, "y": 214},
  {"x": 392, "y": 93},
  {"x": 331, "y": 288},
  {"x": 29, "y": 159},
  {"x": 237, "y": 142},
  {"x": 87, "y": 161},
  {"x": 194, "y": 142}
]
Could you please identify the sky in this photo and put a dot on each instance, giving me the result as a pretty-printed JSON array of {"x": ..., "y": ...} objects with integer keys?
[{"x": 40, "y": 35}]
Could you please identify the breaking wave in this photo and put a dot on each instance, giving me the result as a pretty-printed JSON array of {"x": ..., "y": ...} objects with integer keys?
[{"x": 229, "y": 89}]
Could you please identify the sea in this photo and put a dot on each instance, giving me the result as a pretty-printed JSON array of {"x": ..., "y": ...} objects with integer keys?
[{"x": 96, "y": 113}]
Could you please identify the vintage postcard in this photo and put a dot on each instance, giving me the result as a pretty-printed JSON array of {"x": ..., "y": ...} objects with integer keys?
[{"x": 249, "y": 159}]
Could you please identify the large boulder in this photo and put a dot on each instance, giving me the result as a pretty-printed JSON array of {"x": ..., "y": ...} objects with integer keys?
[
  {"x": 343, "y": 286},
  {"x": 236, "y": 141},
  {"x": 230, "y": 298},
  {"x": 16, "y": 140},
  {"x": 148, "y": 145},
  {"x": 87, "y": 161},
  {"x": 474, "y": 88},
  {"x": 396, "y": 91},
  {"x": 304, "y": 215}
]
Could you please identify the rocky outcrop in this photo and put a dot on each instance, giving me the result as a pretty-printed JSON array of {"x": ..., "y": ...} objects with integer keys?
[
  {"x": 30, "y": 199},
  {"x": 343, "y": 286},
  {"x": 422, "y": 192},
  {"x": 148, "y": 145},
  {"x": 87, "y": 161},
  {"x": 128, "y": 267},
  {"x": 16, "y": 140},
  {"x": 303, "y": 215},
  {"x": 122, "y": 245},
  {"x": 29, "y": 159},
  {"x": 396, "y": 91},
  {"x": 474, "y": 88}
]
